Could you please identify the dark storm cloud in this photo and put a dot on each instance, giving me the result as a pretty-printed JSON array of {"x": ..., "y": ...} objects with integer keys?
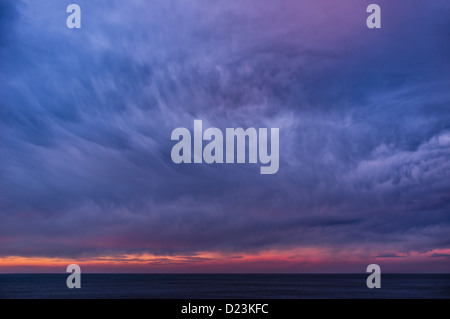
[
  {"x": 8, "y": 16},
  {"x": 436, "y": 255},
  {"x": 86, "y": 118},
  {"x": 389, "y": 255}
]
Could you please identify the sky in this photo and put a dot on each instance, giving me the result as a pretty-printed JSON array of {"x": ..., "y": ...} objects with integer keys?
[{"x": 86, "y": 117}]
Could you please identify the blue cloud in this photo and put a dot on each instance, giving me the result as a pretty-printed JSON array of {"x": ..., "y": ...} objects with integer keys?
[{"x": 86, "y": 117}]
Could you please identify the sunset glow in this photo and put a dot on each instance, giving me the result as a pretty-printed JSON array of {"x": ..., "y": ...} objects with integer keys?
[
  {"x": 291, "y": 261},
  {"x": 360, "y": 116}
]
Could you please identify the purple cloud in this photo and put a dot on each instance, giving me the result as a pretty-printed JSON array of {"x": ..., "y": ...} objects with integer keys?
[{"x": 86, "y": 117}]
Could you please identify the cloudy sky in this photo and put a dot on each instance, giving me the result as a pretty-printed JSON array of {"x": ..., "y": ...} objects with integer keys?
[{"x": 86, "y": 117}]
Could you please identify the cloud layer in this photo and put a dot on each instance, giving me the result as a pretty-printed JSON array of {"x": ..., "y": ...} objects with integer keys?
[{"x": 86, "y": 117}]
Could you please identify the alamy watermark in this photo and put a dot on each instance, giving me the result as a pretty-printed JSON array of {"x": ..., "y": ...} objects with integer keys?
[
  {"x": 374, "y": 280},
  {"x": 229, "y": 149},
  {"x": 74, "y": 280}
]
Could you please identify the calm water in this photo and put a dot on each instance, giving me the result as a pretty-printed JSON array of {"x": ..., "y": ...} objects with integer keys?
[{"x": 256, "y": 286}]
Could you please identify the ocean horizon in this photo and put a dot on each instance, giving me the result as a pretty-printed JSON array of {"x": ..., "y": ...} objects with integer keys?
[{"x": 223, "y": 286}]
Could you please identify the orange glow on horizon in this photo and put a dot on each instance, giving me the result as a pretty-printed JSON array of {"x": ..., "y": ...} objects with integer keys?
[{"x": 305, "y": 259}]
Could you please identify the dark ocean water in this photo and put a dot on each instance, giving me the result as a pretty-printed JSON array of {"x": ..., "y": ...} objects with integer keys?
[{"x": 226, "y": 286}]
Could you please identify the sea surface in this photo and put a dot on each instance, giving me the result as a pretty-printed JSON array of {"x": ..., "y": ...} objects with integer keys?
[{"x": 225, "y": 286}]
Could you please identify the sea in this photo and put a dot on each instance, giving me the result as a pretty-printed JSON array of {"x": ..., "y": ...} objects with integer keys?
[{"x": 225, "y": 286}]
